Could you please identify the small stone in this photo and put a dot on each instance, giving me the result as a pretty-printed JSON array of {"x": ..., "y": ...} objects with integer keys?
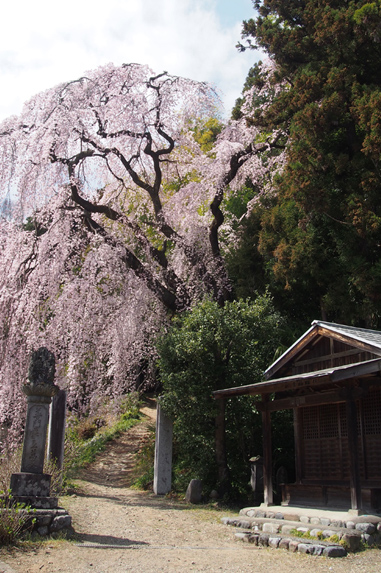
[
  {"x": 260, "y": 513},
  {"x": 278, "y": 515},
  {"x": 270, "y": 514},
  {"x": 214, "y": 494},
  {"x": 286, "y": 529},
  {"x": 274, "y": 542},
  {"x": 334, "y": 551},
  {"x": 305, "y": 548},
  {"x": 253, "y": 538},
  {"x": 194, "y": 491},
  {"x": 60, "y": 522},
  {"x": 284, "y": 543},
  {"x": 315, "y": 532},
  {"x": 304, "y": 519},
  {"x": 263, "y": 539},
  {"x": 350, "y": 525},
  {"x": 244, "y": 523},
  {"x": 368, "y": 539},
  {"x": 242, "y": 536},
  {"x": 368, "y": 528},
  {"x": 336, "y": 523},
  {"x": 328, "y": 532},
  {"x": 315, "y": 520},
  {"x": 43, "y": 530},
  {"x": 325, "y": 521},
  {"x": 317, "y": 549},
  {"x": 352, "y": 541},
  {"x": 271, "y": 527},
  {"x": 293, "y": 546},
  {"x": 250, "y": 513}
]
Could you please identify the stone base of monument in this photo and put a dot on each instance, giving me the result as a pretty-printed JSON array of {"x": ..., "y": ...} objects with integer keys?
[
  {"x": 45, "y": 522},
  {"x": 36, "y": 502},
  {"x": 33, "y": 490},
  {"x": 54, "y": 522}
]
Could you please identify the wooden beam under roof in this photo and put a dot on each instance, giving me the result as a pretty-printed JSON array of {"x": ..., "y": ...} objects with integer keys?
[{"x": 309, "y": 380}]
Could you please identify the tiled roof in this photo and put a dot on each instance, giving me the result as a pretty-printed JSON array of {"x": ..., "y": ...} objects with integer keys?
[
  {"x": 336, "y": 375},
  {"x": 361, "y": 334},
  {"x": 371, "y": 338}
]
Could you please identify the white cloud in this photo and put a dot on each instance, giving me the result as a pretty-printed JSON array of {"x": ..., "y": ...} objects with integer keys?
[{"x": 43, "y": 43}]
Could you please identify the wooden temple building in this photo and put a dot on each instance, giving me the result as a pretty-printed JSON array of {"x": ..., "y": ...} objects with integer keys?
[{"x": 331, "y": 379}]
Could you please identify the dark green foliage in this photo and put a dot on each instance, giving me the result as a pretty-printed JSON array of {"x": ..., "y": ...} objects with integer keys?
[
  {"x": 208, "y": 349},
  {"x": 323, "y": 233},
  {"x": 31, "y": 224}
]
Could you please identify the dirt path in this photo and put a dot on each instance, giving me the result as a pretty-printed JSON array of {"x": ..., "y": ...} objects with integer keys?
[{"x": 120, "y": 529}]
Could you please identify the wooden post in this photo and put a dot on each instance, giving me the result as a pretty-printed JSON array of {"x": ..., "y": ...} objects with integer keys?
[
  {"x": 220, "y": 441},
  {"x": 298, "y": 444},
  {"x": 354, "y": 472},
  {"x": 267, "y": 453}
]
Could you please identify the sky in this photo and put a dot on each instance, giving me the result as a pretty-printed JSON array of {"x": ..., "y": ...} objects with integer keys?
[{"x": 43, "y": 43}]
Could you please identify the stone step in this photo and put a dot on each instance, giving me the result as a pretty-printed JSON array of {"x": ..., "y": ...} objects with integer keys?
[
  {"x": 275, "y": 529},
  {"x": 294, "y": 544},
  {"x": 368, "y": 524}
]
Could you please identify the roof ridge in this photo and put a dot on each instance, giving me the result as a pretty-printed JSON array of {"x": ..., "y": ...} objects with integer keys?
[{"x": 343, "y": 326}]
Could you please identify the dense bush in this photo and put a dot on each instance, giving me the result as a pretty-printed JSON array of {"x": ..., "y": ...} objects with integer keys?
[{"x": 210, "y": 348}]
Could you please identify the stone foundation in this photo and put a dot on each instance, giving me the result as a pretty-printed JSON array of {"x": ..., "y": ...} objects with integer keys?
[
  {"x": 329, "y": 537},
  {"x": 46, "y": 522},
  {"x": 51, "y": 522}
]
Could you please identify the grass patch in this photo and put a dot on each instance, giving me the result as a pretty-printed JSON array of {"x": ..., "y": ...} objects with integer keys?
[
  {"x": 302, "y": 534},
  {"x": 144, "y": 468}
]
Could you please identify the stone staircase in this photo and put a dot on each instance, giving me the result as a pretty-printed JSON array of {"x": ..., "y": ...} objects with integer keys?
[{"x": 331, "y": 534}]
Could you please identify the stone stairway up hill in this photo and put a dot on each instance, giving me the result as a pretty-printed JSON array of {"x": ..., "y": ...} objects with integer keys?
[{"x": 304, "y": 530}]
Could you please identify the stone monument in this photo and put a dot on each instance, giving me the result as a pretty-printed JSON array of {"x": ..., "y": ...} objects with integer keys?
[
  {"x": 31, "y": 485},
  {"x": 163, "y": 453},
  {"x": 56, "y": 434}
]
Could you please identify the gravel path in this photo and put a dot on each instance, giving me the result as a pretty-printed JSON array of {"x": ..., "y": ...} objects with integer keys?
[{"x": 120, "y": 529}]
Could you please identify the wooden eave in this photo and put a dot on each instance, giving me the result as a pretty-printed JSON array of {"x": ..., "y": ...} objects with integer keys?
[
  {"x": 310, "y": 380},
  {"x": 311, "y": 337}
]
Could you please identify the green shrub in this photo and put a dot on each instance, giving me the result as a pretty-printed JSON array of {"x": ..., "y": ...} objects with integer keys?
[
  {"x": 207, "y": 349},
  {"x": 14, "y": 519}
]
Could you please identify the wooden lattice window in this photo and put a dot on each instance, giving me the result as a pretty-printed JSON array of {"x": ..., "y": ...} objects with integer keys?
[
  {"x": 371, "y": 406},
  {"x": 325, "y": 449}
]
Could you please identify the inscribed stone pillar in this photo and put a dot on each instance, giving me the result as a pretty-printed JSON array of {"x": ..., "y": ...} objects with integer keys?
[
  {"x": 39, "y": 394},
  {"x": 31, "y": 485},
  {"x": 163, "y": 454},
  {"x": 35, "y": 434}
]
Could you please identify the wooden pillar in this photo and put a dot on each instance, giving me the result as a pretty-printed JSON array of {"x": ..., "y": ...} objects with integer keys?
[
  {"x": 220, "y": 441},
  {"x": 354, "y": 471},
  {"x": 298, "y": 444},
  {"x": 267, "y": 453}
]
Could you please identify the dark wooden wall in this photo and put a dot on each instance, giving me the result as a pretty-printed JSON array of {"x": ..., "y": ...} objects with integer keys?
[
  {"x": 324, "y": 441},
  {"x": 327, "y": 353}
]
